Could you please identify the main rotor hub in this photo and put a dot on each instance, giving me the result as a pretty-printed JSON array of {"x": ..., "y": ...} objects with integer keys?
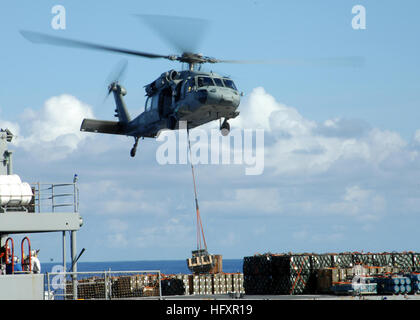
[{"x": 194, "y": 58}]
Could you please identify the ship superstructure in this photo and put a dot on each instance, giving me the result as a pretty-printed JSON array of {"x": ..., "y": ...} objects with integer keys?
[{"x": 26, "y": 209}]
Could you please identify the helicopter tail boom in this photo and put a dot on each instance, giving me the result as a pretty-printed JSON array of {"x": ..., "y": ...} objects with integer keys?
[
  {"x": 102, "y": 126},
  {"x": 120, "y": 110}
]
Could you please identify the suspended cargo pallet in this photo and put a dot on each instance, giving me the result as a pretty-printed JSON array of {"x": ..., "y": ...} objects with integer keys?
[{"x": 201, "y": 262}]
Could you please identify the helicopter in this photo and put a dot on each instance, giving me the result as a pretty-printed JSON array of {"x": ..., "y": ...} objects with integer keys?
[{"x": 192, "y": 96}]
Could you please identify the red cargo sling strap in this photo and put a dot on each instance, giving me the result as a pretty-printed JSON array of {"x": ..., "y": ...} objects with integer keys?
[
  {"x": 298, "y": 275},
  {"x": 29, "y": 263},
  {"x": 13, "y": 254},
  {"x": 200, "y": 231}
]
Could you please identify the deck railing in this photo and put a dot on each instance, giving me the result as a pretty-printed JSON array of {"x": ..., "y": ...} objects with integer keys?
[{"x": 55, "y": 197}]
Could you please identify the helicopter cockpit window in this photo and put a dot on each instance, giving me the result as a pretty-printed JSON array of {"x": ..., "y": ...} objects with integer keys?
[
  {"x": 148, "y": 104},
  {"x": 218, "y": 82},
  {"x": 189, "y": 85},
  {"x": 204, "y": 81},
  {"x": 229, "y": 84}
]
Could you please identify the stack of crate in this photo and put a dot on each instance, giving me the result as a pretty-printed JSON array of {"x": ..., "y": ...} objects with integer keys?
[
  {"x": 218, "y": 283},
  {"x": 415, "y": 280},
  {"x": 149, "y": 282},
  {"x": 208, "y": 284},
  {"x": 395, "y": 284},
  {"x": 238, "y": 280},
  {"x": 299, "y": 273},
  {"x": 229, "y": 282},
  {"x": 122, "y": 287},
  {"x": 172, "y": 285},
  {"x": 187, "y": 282},
  {"x": 203, "y": 284},
  {"x": 416, "y": 262},
  {"x": 195, "y": 284}
]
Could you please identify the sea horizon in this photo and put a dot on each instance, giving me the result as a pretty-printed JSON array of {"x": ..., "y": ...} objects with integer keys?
[{"x": 164, "y": 266}]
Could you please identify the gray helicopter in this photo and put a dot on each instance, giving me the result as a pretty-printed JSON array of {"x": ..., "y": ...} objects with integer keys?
[{"x": 190, "y": 95}]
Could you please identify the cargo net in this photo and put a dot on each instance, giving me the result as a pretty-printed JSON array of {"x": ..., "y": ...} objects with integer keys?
[
  {"x": 309, "y": 273},
  {"x": 106, "y": 285}
]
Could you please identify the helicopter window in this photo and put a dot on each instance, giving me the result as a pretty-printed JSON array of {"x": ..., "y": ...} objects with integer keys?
[
  {"x": 205, "y": 81},
  {"x": 155, "y": 102},
  {"x": 189, "y": 85},
  {"x": 148, "y": 104},
  {"x": 218, "y": 82},
  {"x": 178, "y": 91},
  {"x": 229, "y": 84}
]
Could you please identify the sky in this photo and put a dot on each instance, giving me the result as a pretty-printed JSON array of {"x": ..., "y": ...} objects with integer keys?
[{"x": 341, "y": 144}]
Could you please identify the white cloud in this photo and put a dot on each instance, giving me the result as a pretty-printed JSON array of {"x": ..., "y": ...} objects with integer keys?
[
  {"x": 363, "y": 204},
  {"x": 117, "y": 240},
  {"x": 260, "y": 110},
  {"x": 13, "y": 127},
  {"x": 113, "y": 198},
  {"x": 417, "y": 136},
  {"x": 325, "y": 237},
  {"x": 173, "y": 232},
  {"x": 256, "y": 200},
  {"x": 53, "y": 132},
  {"x": 300, "y": 146}
]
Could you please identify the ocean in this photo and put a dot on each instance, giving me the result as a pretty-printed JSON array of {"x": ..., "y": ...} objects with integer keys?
[{"x": 165, "y": 266}]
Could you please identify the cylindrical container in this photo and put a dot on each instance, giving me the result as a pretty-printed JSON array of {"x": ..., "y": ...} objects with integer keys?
[
  {"x": 15, "y": 195},
  {"x": 402, "y": 288},
  {"x": 26, "y": 192},
  {"x": 394, "y": 289},
  {"x": 13, "y": 192},
  {"x": 10, "y": 179},
  {"x": 4, "y": 194}
]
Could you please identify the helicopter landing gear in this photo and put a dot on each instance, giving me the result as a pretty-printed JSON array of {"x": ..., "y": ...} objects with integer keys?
[
  {"x": 134, "y": 148},
  {"x": 225, "y": 128},
  {"x": 172, "y": 122}
]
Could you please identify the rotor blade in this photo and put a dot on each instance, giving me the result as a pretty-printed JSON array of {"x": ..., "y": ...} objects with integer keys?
[
  {"x": 116, "y": 75},
  {"x": 356, "y": 62},
  {"x": 185, "y": 34},
  {"x": 36, "y": 37},
  {"x": 118, "y": 72}
]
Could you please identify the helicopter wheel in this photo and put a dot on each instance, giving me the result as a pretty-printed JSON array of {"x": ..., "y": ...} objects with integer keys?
[
  {"x": 134, "y": 148},
  {"x": 225, "y": 128},
  {"x": 172, "y": 122},
  {"x": 133, "y": 152}
]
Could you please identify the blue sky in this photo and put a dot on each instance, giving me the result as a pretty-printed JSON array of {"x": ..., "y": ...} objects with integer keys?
[{"x": 345, "y": 179}]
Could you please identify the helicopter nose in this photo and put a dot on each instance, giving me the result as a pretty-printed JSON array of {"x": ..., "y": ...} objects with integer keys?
[{"x": 224, "y": 98}]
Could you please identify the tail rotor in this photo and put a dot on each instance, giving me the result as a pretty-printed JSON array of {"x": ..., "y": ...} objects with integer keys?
[{"x": 115, "y": 77}]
